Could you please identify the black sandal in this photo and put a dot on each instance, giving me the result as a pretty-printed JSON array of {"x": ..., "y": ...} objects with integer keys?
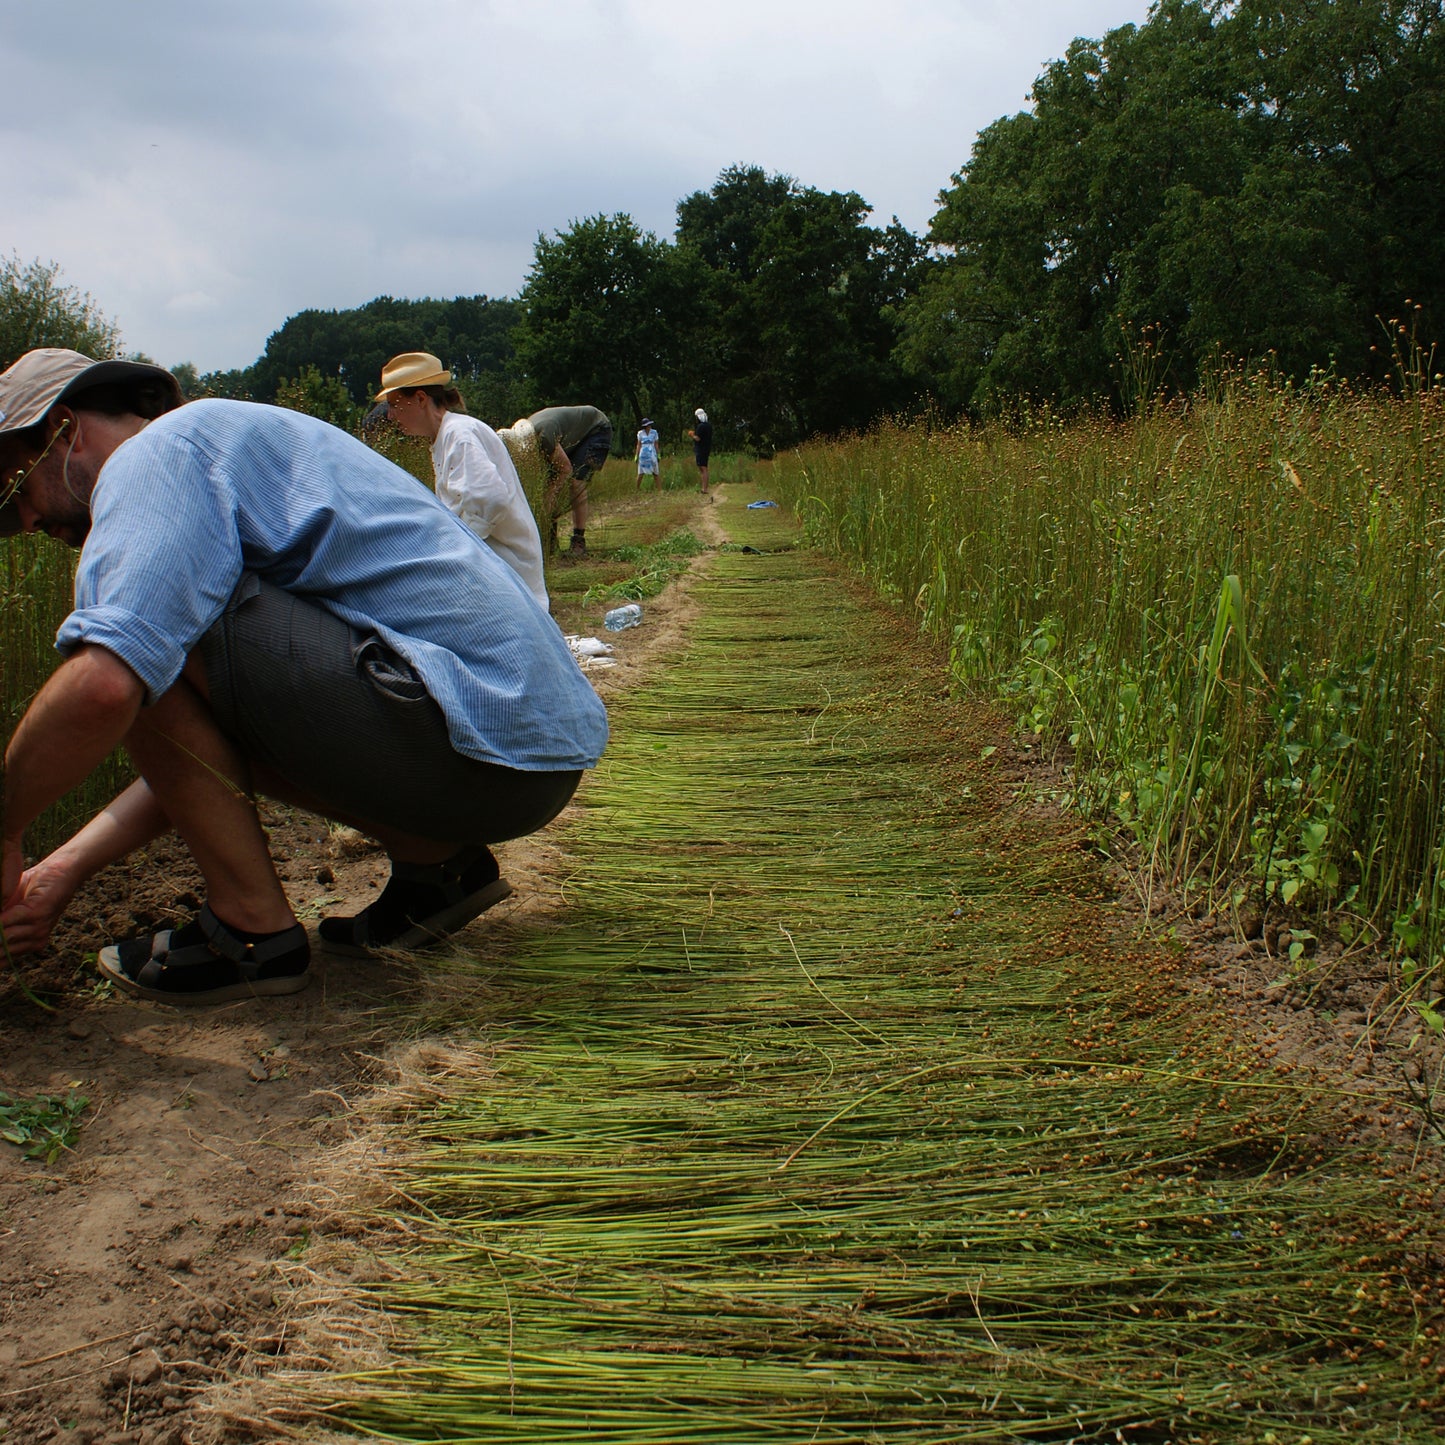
[
  {"x": 207, "y": 962},
  {"x": 421, "y": 904}
]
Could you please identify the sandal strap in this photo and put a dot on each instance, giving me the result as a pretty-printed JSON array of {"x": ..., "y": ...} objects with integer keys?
[
  {"x": 446, "y": 875},
  {"x": 217, "y": 960},
  {"x": 246, "y": 956}
]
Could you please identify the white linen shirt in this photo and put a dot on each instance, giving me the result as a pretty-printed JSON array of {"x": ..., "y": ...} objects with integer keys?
[
  {"x": 477, "y": 481},
  {"x": 217, "y": 488}
]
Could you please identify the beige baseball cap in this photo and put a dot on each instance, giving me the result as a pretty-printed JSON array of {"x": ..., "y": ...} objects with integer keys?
[{"x": 49, "y": 375}]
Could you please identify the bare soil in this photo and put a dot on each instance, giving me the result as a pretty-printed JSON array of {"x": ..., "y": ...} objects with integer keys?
[
  {"x": 145, "y": 1268},
  {"x": 140, "y": 1268}
]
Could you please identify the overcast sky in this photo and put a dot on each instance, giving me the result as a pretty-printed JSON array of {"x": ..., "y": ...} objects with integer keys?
[{"x": 206, "y": 170}]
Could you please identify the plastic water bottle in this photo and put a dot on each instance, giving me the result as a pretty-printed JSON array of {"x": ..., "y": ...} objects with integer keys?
[{"x": 621, "y": 618}]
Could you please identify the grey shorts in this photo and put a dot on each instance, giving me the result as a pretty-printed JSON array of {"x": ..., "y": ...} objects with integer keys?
[
  {"x": 347, "y": 722},
  {"x": 591, "y": 452}
]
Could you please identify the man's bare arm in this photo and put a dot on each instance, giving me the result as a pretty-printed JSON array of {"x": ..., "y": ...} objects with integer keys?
[{"x": 76, "y": 721}]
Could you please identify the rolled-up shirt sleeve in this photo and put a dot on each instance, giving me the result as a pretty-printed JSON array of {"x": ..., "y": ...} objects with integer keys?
[{"x": 161, "y": 561}]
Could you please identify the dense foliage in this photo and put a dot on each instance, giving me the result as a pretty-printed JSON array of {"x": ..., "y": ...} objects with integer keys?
[
  {"x": 1245, "y": 179},
  {"x": 471, "y": 333},
  {"x": 1232, "y": 180},
  {"x": 36, "y": 309},
  {"x": 773, "y": 308},
  {"x": 607, "y": 314},
  {"x": 1228, "y": 612},
  {"x": 799, "y": 301}
]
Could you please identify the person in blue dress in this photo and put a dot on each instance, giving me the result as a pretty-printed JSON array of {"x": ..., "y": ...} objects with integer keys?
[{"x": 649, "y": 453}]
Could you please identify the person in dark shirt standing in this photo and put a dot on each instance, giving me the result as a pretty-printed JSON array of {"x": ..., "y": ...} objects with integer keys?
[{"x": 701, "y": 436}]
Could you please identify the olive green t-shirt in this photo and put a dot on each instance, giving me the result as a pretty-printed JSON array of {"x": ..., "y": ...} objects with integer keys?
[{"x": 565, "y": 426}]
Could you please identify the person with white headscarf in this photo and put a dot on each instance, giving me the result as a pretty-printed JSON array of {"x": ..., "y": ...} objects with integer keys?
[{"x": 701, "y": 436}]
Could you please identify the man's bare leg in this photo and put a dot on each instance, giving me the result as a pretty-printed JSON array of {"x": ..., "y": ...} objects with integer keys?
[{"x": 203, "y": 785}]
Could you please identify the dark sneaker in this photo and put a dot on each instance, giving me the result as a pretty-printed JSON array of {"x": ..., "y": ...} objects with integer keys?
[
  {"x": 420, "y": 905},
  {"x": 206, "y": 962}
]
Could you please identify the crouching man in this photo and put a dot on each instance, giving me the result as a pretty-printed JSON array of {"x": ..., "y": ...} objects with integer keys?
[{"x": 263, "y": 605}]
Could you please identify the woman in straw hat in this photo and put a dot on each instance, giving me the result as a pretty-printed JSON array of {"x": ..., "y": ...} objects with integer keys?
[{"x": 474, "y": 472}]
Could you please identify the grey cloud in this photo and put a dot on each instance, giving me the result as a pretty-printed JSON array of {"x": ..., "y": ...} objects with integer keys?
[{"x": 206, "y": 171}]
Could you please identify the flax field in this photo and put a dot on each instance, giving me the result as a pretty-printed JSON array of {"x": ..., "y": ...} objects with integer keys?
[
  {"x": 36, "y": 581},
  {"x": 1225, "y": 616},
  {"x": 838, "y": 1105}
]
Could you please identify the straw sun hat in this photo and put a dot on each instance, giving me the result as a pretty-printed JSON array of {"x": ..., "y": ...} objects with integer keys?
[{"x": 411, "y": 368}]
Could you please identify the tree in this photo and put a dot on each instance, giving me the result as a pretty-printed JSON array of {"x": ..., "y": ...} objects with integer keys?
[
  {"x": 805, "y": 297},
  {"x": 1246, "y": 177},
  {"x": 320, "y": 396},
  {"x": 235, "y": 384},
  {"x": 188, "y": 379},
  {"x": 37, "y": 310},
  {"x": 471, "y": 335},
  {"x": 603, "y": 304},
  {"x": 1049, "y": 232},
  {"x": 1352, "y": 97}
]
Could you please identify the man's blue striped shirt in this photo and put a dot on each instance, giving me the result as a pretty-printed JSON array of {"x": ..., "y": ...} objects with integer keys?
[{"x": 218, "y": 488}]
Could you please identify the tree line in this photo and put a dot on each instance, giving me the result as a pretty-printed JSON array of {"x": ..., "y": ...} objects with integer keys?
[
  {"x": 1252, "y": 181},
  {"x": 775, "y": 307},
  {"x": 1231, "y": 182}
]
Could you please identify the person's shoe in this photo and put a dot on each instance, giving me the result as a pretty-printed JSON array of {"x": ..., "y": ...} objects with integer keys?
[
  {"x": 420, "y": 905},
  {"x": 578, "y": 547},
  {"x": 207, "y": 962}
]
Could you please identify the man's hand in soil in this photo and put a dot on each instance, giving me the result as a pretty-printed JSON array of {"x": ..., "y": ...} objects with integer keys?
[{"x": 32, "y": 913}]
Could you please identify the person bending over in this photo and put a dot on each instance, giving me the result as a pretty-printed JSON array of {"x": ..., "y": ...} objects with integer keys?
[
  {"x": 475, "y": 475},
  {"x": 265, "y": 605},
  {"x": 571, "y": 443}
]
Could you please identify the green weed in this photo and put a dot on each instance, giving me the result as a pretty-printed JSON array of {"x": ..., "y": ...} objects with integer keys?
[
  {"x": 654, "y": 566},
  {"x": 42, "y": 1126}
]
